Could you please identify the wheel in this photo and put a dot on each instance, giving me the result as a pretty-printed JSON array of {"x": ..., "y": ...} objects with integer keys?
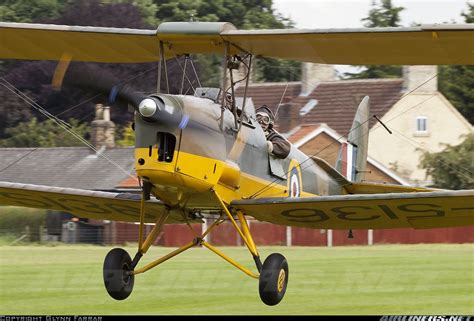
[
  {"x": 273, "y": 279},
  {"x": 117, "y": 278}
]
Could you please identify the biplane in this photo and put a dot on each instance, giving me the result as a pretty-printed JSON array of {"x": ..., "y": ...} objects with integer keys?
[{"x": 204, "y": 156}]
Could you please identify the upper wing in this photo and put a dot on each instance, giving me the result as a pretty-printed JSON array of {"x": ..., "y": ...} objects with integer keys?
[
  {"x": 374, "y": 211},
  {"x": 51, "y": 42},
  {"x": 428, "y": 44},
  {"x": 424, "y": 45},
  {"x": 83, "y": 203}
]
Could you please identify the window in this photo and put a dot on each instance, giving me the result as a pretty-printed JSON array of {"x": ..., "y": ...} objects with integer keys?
[{"x": 421, "y": 124}]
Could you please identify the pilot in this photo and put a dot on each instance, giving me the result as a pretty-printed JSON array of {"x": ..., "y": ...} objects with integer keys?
[{"x": 277, "y": 145}]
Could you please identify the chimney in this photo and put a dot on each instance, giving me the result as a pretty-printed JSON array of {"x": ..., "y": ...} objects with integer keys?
[
  {"x": 288, "y": 117},
  {"x": 102, "y": 128},
  {"x": 424, "y": 77},
  {"x": 313, "y": 74}
]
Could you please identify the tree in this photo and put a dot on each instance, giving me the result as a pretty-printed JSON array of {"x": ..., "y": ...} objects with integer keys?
[
  {"x": 256, "y": 14},
  {"x": 12, "y": 109},
  {"x": 44, "y": 134},
  {"x": 147, "y": 9},
  {"x": 126, "y": 136},
  {"x": 25, "y": 11},
  {"x": 35, "y": 77},
  {"x": 383, "y": 14},
  {"x": 457, "y": 82},
  {"x": 469, "y": 15},
  {"x": 452, "y": 168}
]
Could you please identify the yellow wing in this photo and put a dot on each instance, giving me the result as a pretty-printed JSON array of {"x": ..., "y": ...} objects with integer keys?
[
  {"x": 428, "y": 44},
  {"x": 51, "y": 42},
  {"x": 368, "y": 211},
  {"x": 424, "y": 45},
  {"x": 83, "y": 203}
]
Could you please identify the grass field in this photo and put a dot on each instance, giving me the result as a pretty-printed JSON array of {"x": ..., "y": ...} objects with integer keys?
[{"x": 389, "y": 279}]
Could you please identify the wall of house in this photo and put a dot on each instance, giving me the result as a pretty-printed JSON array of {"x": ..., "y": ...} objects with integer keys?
[
  {"x": 327, "y": 148},
  {"x": 377, "y": 176},
  {"x": 322, "y": 146},
  {"x": 401, "y": 150}
]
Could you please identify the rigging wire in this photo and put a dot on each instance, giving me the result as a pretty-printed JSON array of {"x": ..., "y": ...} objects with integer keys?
[
  {"x": 99, "y": 94},
  {"x": 18, "y": 159},
  {"x": 447, "y": 162},
  {"x": 276, "y": 180},
  {"x": 281, "y": 99},
  {"x": 59, "y": 122},
  {"x": 185, "y": 75},
  {"x": 14, "y": 90},
  {"x": 195, "y": 72}
]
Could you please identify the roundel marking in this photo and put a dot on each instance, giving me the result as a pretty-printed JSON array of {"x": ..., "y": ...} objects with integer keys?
[{"x": 294, "y": 180}]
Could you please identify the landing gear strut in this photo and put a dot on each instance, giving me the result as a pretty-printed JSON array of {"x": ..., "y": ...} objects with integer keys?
[{"x": 120, "y": 271}]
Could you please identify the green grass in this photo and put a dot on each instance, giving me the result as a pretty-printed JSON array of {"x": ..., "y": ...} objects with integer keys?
[{"x": 389, "y": 279}]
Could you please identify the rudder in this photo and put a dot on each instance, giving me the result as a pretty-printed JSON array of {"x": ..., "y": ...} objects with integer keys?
[{"x": 352, "y": 159}]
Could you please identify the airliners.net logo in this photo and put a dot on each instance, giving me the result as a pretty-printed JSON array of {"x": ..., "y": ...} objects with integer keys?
[{"x": 426, "y": 318}]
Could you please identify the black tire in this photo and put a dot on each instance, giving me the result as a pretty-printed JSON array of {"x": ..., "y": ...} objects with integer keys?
[
  {"x": 273, "y": 279},
  {"x": 117, "y": 278}
]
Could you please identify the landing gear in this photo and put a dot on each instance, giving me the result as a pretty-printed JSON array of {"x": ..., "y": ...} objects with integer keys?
[
  {"x": 118, "y": 277},
  {"x": 273, "y": 279},
  {"x": 120, "y": 269}
]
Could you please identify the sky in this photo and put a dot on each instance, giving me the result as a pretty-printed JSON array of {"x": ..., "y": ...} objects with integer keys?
[
  {"x": 314, "y": 14},
  {"x": 348, "y": 13}
]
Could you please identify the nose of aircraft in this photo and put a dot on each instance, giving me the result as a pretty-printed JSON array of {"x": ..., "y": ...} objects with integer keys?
[{"x": 147, "y": 107}]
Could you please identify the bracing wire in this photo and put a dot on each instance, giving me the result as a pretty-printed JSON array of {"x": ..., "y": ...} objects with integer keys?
[
  {"x": 195, "y": 72},
  {"x": 185, "y": 75},
  {"x": 267, "y": 186},
  {"x": 10, "y": 87},
  {"x": 281, "y": 99},
  {"x": 447, "y": 163},
  {"x": 99, "y": 94},
  {"x": 66, "y": 110}
]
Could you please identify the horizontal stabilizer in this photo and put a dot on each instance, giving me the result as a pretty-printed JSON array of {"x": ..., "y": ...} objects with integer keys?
[{"x": 331, "y": 171}]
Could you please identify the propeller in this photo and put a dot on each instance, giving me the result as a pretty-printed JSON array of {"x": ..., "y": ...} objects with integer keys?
[
  {"x": 152, "y": 108},
  {"x": 82, "y": 76}
]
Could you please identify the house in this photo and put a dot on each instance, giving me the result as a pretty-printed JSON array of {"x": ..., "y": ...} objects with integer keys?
[
  {"x": 419, "y": 117},
  {"x": 422, "y": 120},
  {"x": 312, "y": 117},
  {"x": 101, "y": 169},
  {"x": 318, "y": 119},
  {"x": 324, "y": 142}
]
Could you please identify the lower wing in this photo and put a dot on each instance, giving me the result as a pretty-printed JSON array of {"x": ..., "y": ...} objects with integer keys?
[
  {"x": 368, "y": 211},
  {"x": 84, "y": 203}
]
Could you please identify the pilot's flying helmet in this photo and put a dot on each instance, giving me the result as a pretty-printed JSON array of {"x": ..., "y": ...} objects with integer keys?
[{"x": 265, "y": 116}]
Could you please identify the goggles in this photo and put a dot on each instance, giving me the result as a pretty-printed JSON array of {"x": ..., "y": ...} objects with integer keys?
[{"x": 263, "y": 118}]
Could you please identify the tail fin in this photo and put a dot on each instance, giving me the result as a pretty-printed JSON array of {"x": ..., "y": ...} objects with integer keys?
[{"x": 352, "y": 158}]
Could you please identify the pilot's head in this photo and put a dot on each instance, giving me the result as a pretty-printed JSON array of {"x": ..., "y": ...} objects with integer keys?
[{"x": 265, "y": 117}]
